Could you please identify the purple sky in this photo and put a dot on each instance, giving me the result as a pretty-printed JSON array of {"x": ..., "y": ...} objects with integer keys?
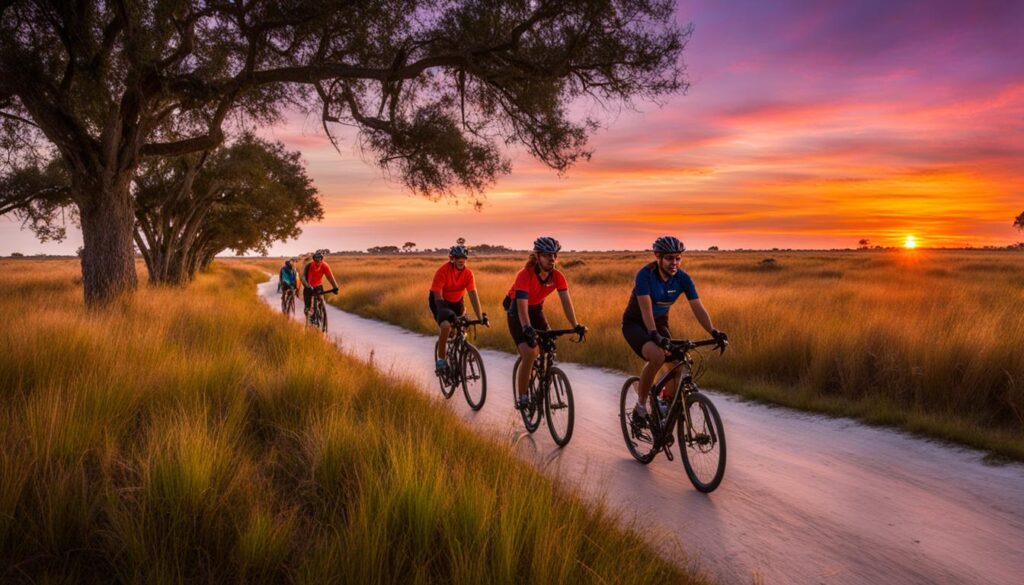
[{"x": 808, "y": 124}]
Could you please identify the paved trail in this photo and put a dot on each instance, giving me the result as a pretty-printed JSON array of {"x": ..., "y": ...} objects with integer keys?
[{"x": 805, "y": 499}]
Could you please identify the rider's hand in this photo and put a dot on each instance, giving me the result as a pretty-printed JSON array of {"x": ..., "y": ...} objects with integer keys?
[
  {"x": 580, "y": 329},
  {"x": 658, "y": 339},
  {"x": 334, "y": 291},
  {"x": 485, "y": 321},
  {"x": 721, "y": 338},
  {"x": 531, "y": 335}
]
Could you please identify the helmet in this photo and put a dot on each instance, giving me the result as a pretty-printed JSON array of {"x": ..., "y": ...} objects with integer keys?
[
  {"x": 668, "y": 245},
  {"x": 458, "y": 251},
  {"x": 318, "y": 255},
  {"x": 546, "y": 245},
  {"x": 290, "y": 261}
]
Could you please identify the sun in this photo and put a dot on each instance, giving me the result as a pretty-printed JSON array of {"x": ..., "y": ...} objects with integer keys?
[{"x": 910, "y": 243}]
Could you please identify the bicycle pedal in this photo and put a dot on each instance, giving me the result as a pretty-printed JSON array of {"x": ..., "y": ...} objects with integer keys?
[{"x": 668, "y": 452}]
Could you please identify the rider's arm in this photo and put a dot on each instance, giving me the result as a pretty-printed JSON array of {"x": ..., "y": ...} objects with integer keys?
[
  {"x": 523, "y": 308},
  {"x": 475, "y": 302},
  {"x": 570, "y": 311},
  {"x": 330, "y": 277},
  {"x": 302, "y": 276},
  {"x": 702, "y": 315},
  {"x": 647, "y": 311}
]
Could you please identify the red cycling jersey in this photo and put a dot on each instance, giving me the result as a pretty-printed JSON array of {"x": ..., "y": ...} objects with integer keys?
[
  {"x": 315, "y": 274},
  {"x": 452, "y": 282},
  {"x": 528, "y": 286}
]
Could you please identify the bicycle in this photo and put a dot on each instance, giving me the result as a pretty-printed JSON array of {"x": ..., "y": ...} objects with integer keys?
[
  {"x": 466, "y": 365},
  {"x": 317, "y": 316},
  {"x": 549, "y": 389},
  {"x": 699, "y": 429},
  {"x": 288, "y": 302}
]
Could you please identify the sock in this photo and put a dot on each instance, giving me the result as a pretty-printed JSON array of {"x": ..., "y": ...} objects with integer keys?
[{"x": 640, "y": 409}]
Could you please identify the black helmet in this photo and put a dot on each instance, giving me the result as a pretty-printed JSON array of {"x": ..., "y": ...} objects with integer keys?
[
  {"x": 318, "y": 255},
  {"x": 458, "y": 251},
  {"x": 668, "y": 245},
  {"x": 546, "y": 245}
]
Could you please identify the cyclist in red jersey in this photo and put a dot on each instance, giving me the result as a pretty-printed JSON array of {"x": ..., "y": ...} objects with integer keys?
[
  {"x": 525, "y": 307},
  {"x": 451, "y": 281},
  {"x": 312, "y": 276}
]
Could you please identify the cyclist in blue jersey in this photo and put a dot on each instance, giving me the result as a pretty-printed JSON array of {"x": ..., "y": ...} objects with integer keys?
[
  {"x": 288, "y": 278},
  {"x": 645, "y": 320}
]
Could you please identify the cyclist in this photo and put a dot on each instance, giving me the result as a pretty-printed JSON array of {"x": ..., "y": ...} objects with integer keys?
[
  {"x": 312, "y": 275},
  {"x": 451, "y": 281},
  {"x": 288, "y": 279},
  {"x": 645, "y": 320},
  {"x": 524, "y": 305}
]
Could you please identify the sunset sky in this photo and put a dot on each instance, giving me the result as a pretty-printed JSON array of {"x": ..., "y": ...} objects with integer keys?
[{"x": 807, "y": 125}]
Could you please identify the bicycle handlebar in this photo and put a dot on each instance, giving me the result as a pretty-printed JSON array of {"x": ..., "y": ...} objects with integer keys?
[
  {"x": 320, "y": 293},
  {"x": 553, "y": 333},
  {"x": 687, "y": 345},
  {"x": 464, "y": 322}
]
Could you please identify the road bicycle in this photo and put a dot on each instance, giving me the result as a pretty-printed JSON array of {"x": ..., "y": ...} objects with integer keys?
[
  {"x": 549, "y": 389},
  {"x": 465, "y": 366},
  {"x": 698, "y": 427},
  {"x": 288, "y": 302},
  {"x": 317, "y": 316}
]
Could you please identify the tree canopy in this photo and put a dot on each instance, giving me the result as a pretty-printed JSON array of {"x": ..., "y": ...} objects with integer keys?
[
  {"x": 435, "y": 88},
  {"x": 241, "y": 197}
]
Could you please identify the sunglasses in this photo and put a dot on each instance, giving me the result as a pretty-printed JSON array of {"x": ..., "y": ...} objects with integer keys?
[{"x": 672, "y": 257}]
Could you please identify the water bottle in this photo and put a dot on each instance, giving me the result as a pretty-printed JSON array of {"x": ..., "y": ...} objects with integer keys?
[{"x": 663, "y": 407}]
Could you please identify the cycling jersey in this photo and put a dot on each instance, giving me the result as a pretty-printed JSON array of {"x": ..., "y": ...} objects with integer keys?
[
  {"x": 315, "y": 274},
  {"x": 452, "y": 282},
  {"x": 663, "y": 294},
  {"x": 529, "y": 286},
  {"x": 288, "y": 276}
]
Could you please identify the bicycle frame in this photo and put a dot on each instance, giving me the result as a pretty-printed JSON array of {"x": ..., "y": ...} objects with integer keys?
[{"x": 457, "y": 345}]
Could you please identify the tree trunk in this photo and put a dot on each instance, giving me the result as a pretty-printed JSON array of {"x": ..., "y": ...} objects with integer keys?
[{"x": 108, "y": 225}]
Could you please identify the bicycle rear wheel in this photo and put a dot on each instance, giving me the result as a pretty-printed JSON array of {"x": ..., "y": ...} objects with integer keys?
[
  {"x": 639, "y": 440},
  {"x": 559, "y": 408},
  {"x": 474, "y": 378},
  {"x": 289, "y": 305},
  {"x": 703, "y": 446},
  {"x": 530, "y": 414},
  {"x": 442, "y": 379}
]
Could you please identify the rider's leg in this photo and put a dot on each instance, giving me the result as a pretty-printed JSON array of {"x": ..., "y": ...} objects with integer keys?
[
  {"x": 442, "y": 339},
  {"x": 307, "y": 299},
  {"x": 655, "y": 357},
  {"x": 528, "y": 355}
]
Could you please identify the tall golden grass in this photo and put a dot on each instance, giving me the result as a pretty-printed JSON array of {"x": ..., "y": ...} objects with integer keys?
[
  {"x": 929, "y": 341},
  {"x": 194, "y": 435}
]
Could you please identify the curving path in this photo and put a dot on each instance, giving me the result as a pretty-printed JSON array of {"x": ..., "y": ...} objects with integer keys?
[{"x": 806, "y": 499}]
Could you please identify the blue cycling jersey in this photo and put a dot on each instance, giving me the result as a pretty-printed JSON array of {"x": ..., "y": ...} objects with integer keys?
[
  {"x": 288, "y": 277},
  {"x": 663, "y": 293}
]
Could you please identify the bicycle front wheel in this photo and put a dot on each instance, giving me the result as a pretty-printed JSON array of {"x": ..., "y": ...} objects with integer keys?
[
  {"x": 558, "y": 407},
  {"x": 323, "y": 316},
  {"x": 703, "y": 444},
  {"x": 530, "y": 414},
  {"x": 474, "y": 378},
  {"x": 639, "y": 439},
  {"x": 442, "y": 379}
]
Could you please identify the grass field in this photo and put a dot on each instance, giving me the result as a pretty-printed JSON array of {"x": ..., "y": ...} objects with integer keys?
[
  {"x": 195, "y": 436},
  {"x": 928, "y": 341}
]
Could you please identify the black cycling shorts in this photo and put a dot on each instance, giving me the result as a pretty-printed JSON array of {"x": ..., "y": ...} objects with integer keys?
[
  {"x": 537, "y": 320},
  {"x": 636, "y": 333},
  {"x": 447, "y": 311}
]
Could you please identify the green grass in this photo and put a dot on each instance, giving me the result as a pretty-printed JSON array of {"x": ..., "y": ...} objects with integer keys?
[
  {"x": 195, "y": 436},
  {"x": 931, "y": 342}
]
